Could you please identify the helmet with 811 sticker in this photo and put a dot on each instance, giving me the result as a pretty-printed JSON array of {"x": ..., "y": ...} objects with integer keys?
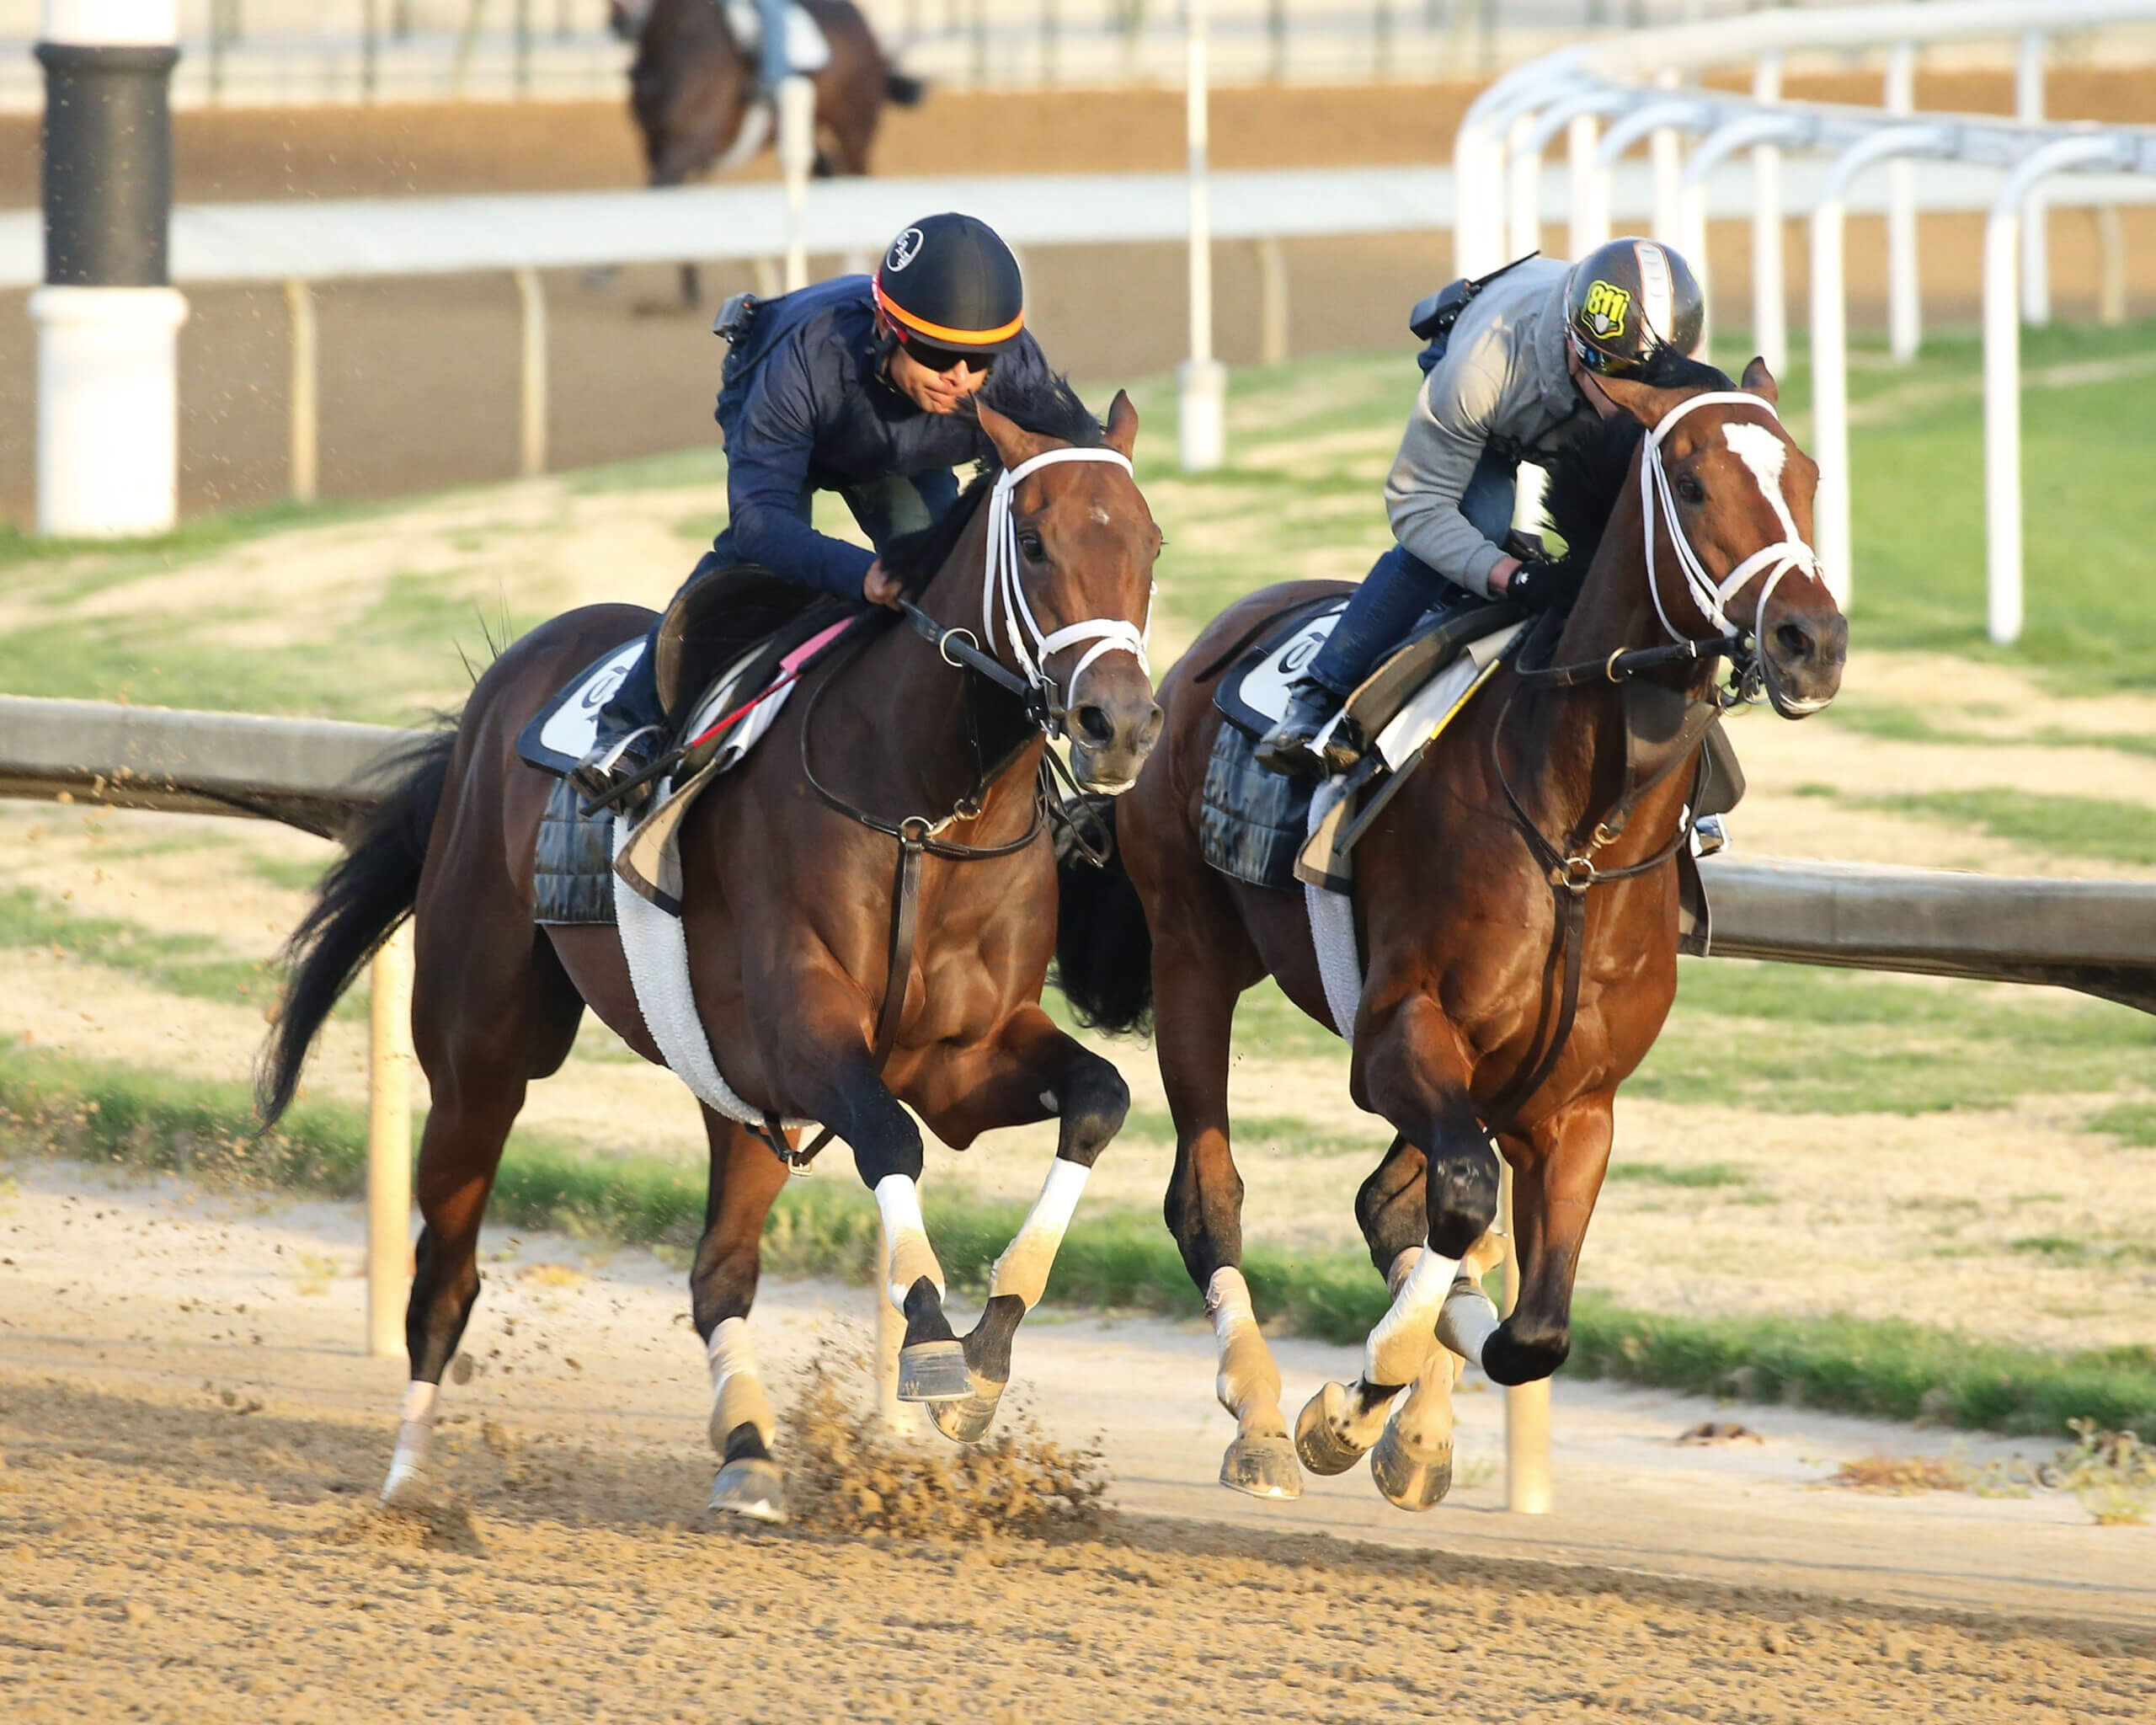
[
  {"x": 1628, "y": 299},
  {"x": 949, "y": 288}
]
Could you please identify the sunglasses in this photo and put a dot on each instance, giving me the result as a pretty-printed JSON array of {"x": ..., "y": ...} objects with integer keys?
[{"x": 940, "y": 359}]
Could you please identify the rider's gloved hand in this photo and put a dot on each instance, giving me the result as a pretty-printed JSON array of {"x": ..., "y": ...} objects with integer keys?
[
  {"x": 881, "y": 587},
  {"x": 1545, "y": 586}
]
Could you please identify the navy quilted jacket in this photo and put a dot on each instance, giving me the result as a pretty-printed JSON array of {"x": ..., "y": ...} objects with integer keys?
[{"x": 805, "y": 407}]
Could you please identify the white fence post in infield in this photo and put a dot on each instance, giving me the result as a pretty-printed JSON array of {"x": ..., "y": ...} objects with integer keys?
[
  {"x": 531, "y": 391},
  {"x": 389, "y": 1144},
  {"x": 1904, "y": 296},
  {"x": 2015, "y": 203},
  {"x": 1202, "y": 380},
  {"x": 1770, "y": 297},
  {"x": 1527, "y": 1406},
  {"x": 2035, "y": 250}
]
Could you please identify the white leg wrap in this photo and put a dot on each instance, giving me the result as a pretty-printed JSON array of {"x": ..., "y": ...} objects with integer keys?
[
  {"x": 1398, "y": 1347},
  {"x": 898, "y": 1200},
  {"x": 1248, "y": 1377},
  {"x": 737, "y": 1389},
  {"x": 1466, "y": 1322},
  {"x": 415, "y": 1431},
  {"x": 1026, "y": 1260}
]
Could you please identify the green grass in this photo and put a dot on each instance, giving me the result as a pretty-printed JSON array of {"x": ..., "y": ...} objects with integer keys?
[
  {"x": 117, "y": 1116},
  {"x": 1917, "y": 516},
  {"x": 2132, "y": 1122},
  {"x": 2063, "y": 826},
  {"x": 1893, "y": 721},
  {"x": 1794, "y": 1038},
  {"x": 1700, "y": 1175},
  {"x": 189, "y": 965}
]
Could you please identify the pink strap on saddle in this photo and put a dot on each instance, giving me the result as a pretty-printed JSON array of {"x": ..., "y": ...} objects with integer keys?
[{"x": 792, "y": 660}]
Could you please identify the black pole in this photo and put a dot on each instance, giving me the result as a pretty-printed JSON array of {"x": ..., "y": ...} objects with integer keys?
[{"x": 107, "y": 180}]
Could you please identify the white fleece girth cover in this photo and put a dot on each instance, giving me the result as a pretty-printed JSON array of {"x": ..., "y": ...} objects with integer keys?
[{"x": 656, "y": 948}]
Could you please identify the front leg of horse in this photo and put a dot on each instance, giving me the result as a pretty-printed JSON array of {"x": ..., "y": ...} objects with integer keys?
[
  {"x": 1557, "y": 1170},
  {"x": 1029, "y": 1072}
]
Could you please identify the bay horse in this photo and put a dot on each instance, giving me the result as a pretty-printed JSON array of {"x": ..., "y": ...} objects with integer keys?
[
  {"x": 1544, "y": 813},
  {"x": 694, "y": 91},
  {"x": 792, "y": 915}
]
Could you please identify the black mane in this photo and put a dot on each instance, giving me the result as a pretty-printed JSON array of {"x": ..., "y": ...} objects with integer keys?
[
  {"x": 1048, "y": 409},
  {"x": 1584, "y": 480}
]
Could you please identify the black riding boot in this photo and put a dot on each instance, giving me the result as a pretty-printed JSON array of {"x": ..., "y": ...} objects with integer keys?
[{"x": 1286, "y": 748}]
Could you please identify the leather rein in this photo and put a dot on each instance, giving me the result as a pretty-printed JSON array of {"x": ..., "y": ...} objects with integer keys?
[
  {"x": 1573, "y": 873},
  {"x": 919, "y": 835}
]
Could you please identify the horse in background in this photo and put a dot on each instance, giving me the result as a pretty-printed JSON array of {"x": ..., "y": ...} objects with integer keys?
[{"x": 693, "y": 91}]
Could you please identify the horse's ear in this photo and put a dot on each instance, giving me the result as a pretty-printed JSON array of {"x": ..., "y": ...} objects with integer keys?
[
  {"x": 1758, "y": 380},
  {"x": 1013, "y": 443},
  {"x": 1121, "y": 432},
  {"x": 1644, "y": 402}
]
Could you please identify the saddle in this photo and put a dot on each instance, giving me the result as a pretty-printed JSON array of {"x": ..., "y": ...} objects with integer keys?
[
  {"x": 727, "y": 637},
  {"x": 1257, "y": 826},
  {"x": 1254, "y": 824}
]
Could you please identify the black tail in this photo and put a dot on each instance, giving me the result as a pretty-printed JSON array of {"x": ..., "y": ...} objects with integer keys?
[
  {"x": 903, "y": 92},
  {"x": 360, "y": 902},
  {"x": 1103, "y": 949}
]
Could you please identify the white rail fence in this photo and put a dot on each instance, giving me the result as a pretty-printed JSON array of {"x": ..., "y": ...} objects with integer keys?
[
  {"x": 2096, "y": 936},
  {"x": 1632, "y": 87}
]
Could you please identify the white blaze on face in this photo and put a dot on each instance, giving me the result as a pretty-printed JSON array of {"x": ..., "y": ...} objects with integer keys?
[{"x": 1760, "y": 450}]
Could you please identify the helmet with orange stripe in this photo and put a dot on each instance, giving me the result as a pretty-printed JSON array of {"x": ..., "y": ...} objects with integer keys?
[{"x": 948, "y": 289}]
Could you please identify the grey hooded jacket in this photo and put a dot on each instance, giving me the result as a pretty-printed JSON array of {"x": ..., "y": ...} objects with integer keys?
[{"x": 1501, "y": 389}]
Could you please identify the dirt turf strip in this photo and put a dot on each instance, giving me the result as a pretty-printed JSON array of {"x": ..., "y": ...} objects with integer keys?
[{"x": 162, "y": 1558}]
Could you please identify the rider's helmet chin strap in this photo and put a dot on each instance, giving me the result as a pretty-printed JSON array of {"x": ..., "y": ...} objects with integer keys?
[
  {"x": 1003, "y": 593},
  {"x": 1710, "y": 596}
]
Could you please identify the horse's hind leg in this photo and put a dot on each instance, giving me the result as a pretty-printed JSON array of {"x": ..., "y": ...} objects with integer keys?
[
  {"x": 482, "y": 1031},
  {"x": 1195, "y": 988},
  {"x": 745, "y": 1177}
]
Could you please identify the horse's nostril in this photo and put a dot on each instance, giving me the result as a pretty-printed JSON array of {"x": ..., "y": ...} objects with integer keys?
[
  {"x": 1795, "y": 640},
  {"x": 1151, "y": 732},
  {"x": 1094, "y": 725}
]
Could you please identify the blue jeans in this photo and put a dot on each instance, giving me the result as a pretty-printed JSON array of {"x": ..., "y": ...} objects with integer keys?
[
  {"x": 884, "y": 510},
  {"x": 1400, "y": 586}
]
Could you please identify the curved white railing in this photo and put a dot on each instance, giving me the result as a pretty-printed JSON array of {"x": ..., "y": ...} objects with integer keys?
[{"x": 1630, "y": 83}]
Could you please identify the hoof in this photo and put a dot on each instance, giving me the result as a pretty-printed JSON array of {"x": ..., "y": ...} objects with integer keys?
[
  {"x": 968, "y": 1421},
  {"x": 1408, "y": 1480},
  {"x": 406, "y": 1488},
  {"x": 934, "y": 1371},
  {"x": 1261, "y": 1467},
  {"x": 1321, "y": 1437},
  {"x": 753, "y": 1487}
]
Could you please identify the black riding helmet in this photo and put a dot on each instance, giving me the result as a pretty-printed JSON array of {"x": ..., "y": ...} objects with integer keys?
[
  {"x": 1625, "y": 300},
  {"x": 951, "y": 289}
]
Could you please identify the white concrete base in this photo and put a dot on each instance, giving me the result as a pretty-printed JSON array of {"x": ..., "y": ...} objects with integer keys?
[
  {"x": 108, "y": 409},
  {"x": 1202, "y": 386}
]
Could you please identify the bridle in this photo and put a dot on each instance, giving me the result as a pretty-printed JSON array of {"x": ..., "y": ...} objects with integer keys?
[
  {"x": 1572, "y": 875},
  {"x": 1003, "y": 600}
]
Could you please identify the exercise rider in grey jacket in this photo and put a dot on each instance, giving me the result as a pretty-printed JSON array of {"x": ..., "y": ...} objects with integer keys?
[{"x": 1515, "y": 379}]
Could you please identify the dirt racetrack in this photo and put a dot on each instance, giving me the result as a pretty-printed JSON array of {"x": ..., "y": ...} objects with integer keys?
[{"x": 191, "y": 1446}]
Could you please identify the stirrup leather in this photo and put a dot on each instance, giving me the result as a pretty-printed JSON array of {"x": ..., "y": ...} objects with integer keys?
[{"x": 608, "y": 763}]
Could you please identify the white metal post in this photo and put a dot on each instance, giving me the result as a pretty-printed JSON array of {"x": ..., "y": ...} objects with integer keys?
[
  {"x": 1665, "y": 151},
  {"x": 389, "y": 1144},
  {"x": 1830, "y": 381},
  {"x": 2003, "y": 247},
  {"x": 1202, "y": 380},
  {"x": 1272, "y": 303},
  {"x": 1719, "y": 144},
  {"x": 531, "y": 416},
  {"x": 1904, "y": 302},
  {"x": 1527, "y": 1406},
  {"x": 2035, "y": 248},
  {"x": 1590, "y": 215},
  {"x": 797, "y": 156},
  {"x": 1769, "y": 300},
  {"x": 304, "y": 406}
]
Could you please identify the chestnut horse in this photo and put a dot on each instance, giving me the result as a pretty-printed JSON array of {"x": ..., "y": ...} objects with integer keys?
[
  {"x": 791, "y": 911},
  {"x": 1542, "y": 806}
]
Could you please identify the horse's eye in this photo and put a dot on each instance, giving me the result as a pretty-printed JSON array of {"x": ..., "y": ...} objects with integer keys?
[
  {"x": 1691, "y": 490},
  {"x": 1030, "y": 543}
]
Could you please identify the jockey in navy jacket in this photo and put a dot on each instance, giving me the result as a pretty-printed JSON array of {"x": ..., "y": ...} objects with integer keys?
[{"x": 850, "y": 386}]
